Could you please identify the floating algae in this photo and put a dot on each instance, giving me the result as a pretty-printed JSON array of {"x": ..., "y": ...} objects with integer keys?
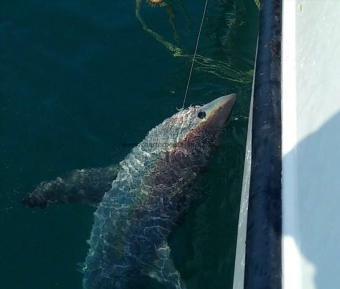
[
  {"x": 169, "y": 6},
  {"x": 156, "y": 3},
  {"x": 222, "y": 69}
]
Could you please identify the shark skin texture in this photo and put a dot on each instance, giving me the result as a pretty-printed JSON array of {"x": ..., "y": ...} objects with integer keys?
[{"x": 146, "y": 199}]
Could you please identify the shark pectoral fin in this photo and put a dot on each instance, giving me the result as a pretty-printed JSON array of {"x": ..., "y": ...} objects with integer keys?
[
  {"x": 80, "y": 186},
  {"x": 164, "y": 270}
]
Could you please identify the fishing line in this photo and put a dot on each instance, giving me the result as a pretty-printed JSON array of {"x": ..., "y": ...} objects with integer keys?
[{"x": 195, "y": 53}]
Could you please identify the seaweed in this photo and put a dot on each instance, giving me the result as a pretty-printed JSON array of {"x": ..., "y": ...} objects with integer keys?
[{"x": 223, "y": 69}]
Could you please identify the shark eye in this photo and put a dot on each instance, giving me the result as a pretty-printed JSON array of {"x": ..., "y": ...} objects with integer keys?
[{"x": 201, "y": 114}]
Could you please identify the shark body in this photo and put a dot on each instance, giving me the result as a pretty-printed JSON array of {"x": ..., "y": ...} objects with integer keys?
[{"x": 147, "y": 198}]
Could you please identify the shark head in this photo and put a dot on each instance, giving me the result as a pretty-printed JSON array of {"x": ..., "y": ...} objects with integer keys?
[
  {"x": 213, "y": 115},
  {"x": 183, "y": 143},
  {"x": 196, "y": 124}
]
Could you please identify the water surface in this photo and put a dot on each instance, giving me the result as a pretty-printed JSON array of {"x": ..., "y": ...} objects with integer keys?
[{"x": 80, "y": 83}]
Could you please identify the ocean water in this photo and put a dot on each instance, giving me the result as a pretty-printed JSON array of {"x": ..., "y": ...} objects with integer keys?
[{"x": 81, "y": 82}]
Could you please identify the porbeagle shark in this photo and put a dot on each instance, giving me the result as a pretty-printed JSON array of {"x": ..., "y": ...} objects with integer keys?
[{"x": 140, "y": 201}]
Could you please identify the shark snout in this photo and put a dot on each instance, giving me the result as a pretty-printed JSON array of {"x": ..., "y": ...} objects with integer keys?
[{"x": 219, "y": 110}]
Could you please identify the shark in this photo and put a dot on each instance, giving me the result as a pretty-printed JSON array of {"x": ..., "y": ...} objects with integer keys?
[{"x": 140, "y": 201}]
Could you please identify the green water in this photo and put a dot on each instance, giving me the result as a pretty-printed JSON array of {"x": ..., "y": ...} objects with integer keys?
[{"x": 80, "y": 81}]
